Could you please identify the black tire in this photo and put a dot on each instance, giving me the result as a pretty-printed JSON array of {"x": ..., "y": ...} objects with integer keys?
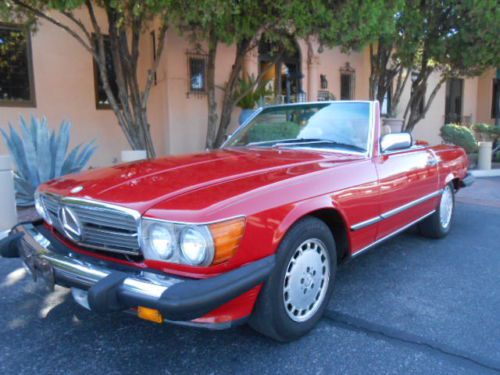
[
  {"x": 270, "y": 316},
  {"x": 432, "y": 226}
]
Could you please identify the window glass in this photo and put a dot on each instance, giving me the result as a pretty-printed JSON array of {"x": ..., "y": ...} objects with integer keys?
[
  {"x": 494, "y": 98},
  {"x": 197, "y": 74},
  {"x": 16, "y": 86},
  {"x": 346, "y": 87},
  {"x": 338, "y": 125}
]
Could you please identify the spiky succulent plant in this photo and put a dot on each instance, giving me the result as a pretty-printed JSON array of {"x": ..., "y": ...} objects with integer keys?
[{"x": 41, "y": 154}]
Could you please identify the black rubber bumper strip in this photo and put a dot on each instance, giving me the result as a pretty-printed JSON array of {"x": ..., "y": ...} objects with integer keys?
[
  {"x": 468, "y": 180},
  {"x": 9, "y": 245},
  {"x": 191, "y": 299}
]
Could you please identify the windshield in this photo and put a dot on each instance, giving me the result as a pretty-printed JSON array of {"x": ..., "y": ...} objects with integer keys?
[{"x": 337, "y": 125}]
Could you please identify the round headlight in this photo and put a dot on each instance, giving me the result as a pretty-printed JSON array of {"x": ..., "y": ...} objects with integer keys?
[
  {"x": 196, "y": 246},
  {"x": 40, "y": 208},
  {"x": 160, "y": 241}
]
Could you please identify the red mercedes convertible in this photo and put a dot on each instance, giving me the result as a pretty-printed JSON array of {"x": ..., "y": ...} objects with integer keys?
[{"x": 252, "y": 232}]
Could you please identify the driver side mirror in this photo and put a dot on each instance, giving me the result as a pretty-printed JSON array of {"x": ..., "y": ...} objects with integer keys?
[{"x": 395, "y": 141}]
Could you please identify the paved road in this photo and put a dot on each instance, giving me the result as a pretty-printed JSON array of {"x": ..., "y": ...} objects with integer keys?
[{"x": 411, "y": 306}]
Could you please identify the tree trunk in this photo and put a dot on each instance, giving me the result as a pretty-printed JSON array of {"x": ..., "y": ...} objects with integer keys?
[
  {"x": 382, "y": 72},
  {"x": 228, "y": 100},
  {"x": 211, "y": 95},
  {"x": 416, "y": 111}
]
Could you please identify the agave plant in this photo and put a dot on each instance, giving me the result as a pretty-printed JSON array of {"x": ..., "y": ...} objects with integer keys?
[{"x": 41, "y": 154}]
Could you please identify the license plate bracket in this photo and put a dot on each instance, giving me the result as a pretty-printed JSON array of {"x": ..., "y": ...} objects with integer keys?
[{"x": 40, "y": 268}]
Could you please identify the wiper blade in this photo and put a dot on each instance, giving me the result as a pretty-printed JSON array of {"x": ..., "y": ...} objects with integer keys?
[
  {"x": 317, "y": 141},
  {"x": 271, "y": 143}
]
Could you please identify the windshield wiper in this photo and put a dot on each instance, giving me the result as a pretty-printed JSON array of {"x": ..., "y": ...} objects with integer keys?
[
  {"x": 271, "y": 143},
  {"x": 315, "y": 142}
]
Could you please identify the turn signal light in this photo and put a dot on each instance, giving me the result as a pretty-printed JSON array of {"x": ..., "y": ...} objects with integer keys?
[
  {"x": 227, "y": 236},
  {"x": 152, "y": 315}
]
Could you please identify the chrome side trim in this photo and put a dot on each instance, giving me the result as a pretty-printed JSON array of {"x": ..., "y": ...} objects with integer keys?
[
  {"x": 366, "y": 223},
  {"x": 395, "y": 211},
  {"x": 414, "y": 203},
  {"x": 390, "y": 235}
]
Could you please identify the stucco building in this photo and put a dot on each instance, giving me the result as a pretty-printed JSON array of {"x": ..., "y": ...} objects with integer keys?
[{"x": 56, "y": 78}]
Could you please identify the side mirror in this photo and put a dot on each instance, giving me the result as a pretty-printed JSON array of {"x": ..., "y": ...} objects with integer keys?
[{"x": 395, "y": 141}]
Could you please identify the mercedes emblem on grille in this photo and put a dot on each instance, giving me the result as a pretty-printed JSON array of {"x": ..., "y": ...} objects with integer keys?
[{"x": 70, "y": 223}]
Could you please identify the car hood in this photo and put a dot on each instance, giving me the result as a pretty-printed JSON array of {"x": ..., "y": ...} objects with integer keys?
[{"x": 142, "y": 185}]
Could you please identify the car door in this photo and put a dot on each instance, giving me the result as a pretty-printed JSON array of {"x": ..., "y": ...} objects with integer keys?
[{"x": 408, "y": 187}]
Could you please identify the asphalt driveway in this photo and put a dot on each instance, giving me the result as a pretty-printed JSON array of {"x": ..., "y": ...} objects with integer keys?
[{"x": 411, "y": 305}]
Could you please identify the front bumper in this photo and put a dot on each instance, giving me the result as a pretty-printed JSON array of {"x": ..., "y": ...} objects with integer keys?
[
  {"x": 468, "y": 180},
  {"x": 113, "y": 287}
]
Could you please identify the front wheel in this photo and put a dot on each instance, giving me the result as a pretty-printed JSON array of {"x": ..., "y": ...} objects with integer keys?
[
  {"x": 297, "y": 292},
  {"x": 439, "y": 223}
]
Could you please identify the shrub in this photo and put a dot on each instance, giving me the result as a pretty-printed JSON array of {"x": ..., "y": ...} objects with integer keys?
[
  {"x": 40, "y": 155},
  {"x": 459, "y": 135},
  {"x": 252, "y": 91},
  {"x": 276, "y": 130},
  {"x": 486, "y": 132}
]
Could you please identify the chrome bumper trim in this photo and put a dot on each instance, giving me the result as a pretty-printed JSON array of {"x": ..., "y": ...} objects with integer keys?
[{"x": 36, "y": 250}]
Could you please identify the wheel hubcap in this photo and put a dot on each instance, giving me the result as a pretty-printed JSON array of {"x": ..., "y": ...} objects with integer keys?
[
  {"x": 446, "y": 207},
  {"x": 306, "y": 280}
]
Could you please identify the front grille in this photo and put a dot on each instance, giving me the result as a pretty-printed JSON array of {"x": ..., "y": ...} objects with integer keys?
[{"x": 103, "y": 227}]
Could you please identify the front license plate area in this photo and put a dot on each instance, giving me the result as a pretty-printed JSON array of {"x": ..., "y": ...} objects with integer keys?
[{"x": 40, "y": 269}]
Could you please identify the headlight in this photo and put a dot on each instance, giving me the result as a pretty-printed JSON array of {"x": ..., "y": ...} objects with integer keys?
[
  {"x": 195, "y": 245},
  {"x": 159, "y": 242},
  {"x": 40, "y": 208}
]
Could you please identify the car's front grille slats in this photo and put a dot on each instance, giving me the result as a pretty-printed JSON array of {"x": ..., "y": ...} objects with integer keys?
[{"x": 103, "y": 227}]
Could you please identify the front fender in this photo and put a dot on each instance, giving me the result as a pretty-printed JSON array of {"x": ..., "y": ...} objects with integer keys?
[{"x": 305, "y": 208}]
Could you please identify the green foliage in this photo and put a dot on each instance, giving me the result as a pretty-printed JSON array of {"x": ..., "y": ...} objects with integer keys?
[
  {"x": 251, "y": 92},
  {"x": 486, "y": 132},
  {"x": 459, "y": 135},
  {"x": 272, "y": 131},
  {"x": 40, "y": 154}
]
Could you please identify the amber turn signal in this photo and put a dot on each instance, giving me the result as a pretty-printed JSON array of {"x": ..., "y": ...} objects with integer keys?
[
  {"x": 152, "y": 315},
  {"x": 227, "y": 236}
]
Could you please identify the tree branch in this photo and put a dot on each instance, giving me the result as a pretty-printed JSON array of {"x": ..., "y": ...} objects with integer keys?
[
  {"x": 77, "y": 22},
  {"x": 156, "y": 63},
  {"x": 55, "y": 22}
]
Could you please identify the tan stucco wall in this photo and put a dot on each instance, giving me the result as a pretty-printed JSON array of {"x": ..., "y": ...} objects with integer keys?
[
  {"x": 485, "y": 96},
  {"x": 64, "y": 89}
]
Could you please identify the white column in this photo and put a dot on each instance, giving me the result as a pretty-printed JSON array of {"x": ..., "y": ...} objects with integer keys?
[
  {"x": 8, "y": 212},
  {"x": 484, "y": 155},
  {"x": 312, "y": 78}
]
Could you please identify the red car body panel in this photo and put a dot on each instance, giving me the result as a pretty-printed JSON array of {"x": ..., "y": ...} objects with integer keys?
[{"x": 272, "y": 189}]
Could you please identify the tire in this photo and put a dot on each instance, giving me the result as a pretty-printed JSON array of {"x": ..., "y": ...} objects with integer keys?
[
  {"x": 439, "y": 223},
  {"x": 296, "y": 294}
]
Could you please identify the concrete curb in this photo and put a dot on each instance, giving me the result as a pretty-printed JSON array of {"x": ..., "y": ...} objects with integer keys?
[{"x": 485, "y": 173}]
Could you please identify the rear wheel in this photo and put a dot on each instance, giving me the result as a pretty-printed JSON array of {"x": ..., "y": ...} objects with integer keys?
[
  {"x": 297, "y": 292},
  {"x": 439, "y": 223}
]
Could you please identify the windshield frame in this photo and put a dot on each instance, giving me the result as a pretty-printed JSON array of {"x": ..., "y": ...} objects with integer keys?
[{"x": 371, "y": 130}]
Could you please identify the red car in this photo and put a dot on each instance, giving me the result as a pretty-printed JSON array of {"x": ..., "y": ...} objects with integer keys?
[{"x": 252, "y": 232}]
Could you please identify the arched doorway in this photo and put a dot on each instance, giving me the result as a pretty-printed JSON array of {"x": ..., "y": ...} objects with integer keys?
[{"x": 285, "y": 72}]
